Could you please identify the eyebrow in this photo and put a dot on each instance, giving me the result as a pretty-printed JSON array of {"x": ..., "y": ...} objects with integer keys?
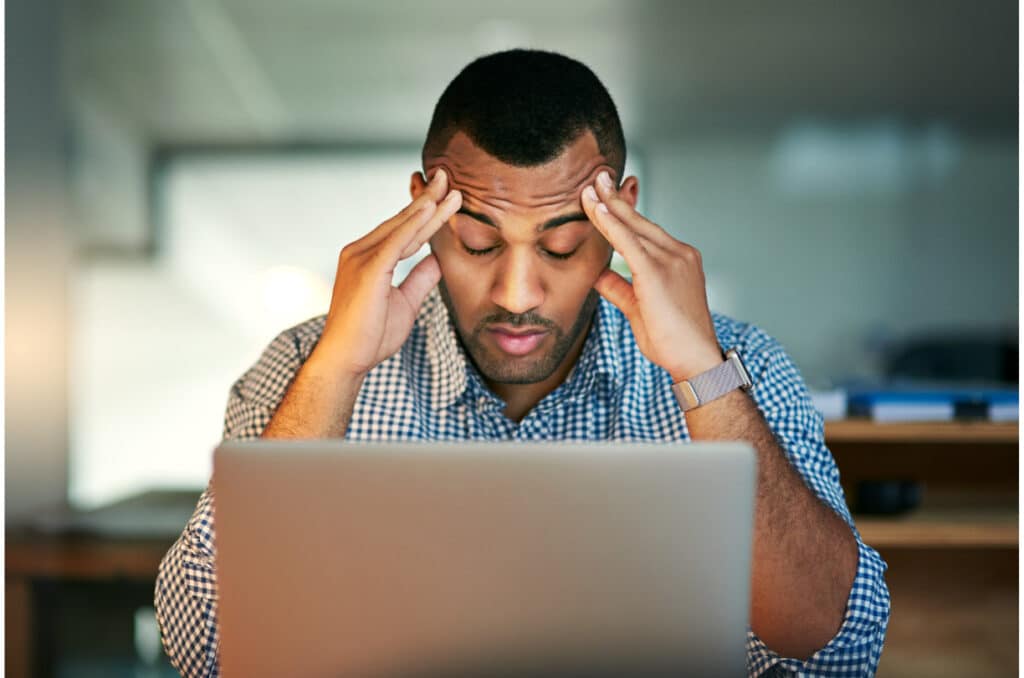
[{"x": 554, "y": 222}]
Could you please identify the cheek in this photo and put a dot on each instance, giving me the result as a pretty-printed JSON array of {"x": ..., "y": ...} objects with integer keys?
[
  {"x": 568, "y": 291},
  {"x": 442, "y": 244},
  {"x": 464, "y": 282},
  {"x": 594, "y": 258}
]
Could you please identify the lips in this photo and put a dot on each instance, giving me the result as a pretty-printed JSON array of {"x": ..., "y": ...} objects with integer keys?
[{"x": 519, "y": 342}]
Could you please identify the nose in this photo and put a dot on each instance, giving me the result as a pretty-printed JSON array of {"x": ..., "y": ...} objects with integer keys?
[{"x": 517, "y": 285}]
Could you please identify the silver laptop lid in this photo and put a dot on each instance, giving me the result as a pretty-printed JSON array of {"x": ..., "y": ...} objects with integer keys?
[{"x": 440, "y": 559}]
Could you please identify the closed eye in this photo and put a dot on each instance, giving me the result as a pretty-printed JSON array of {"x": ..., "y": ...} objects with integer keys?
[
  {"x": 560, "y": 255},
  {"x": 479, "y": 253}
]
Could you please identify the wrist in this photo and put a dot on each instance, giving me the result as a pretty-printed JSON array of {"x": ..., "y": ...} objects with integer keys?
[
  {"x": 328, "y": 364},
  {"x": 697, "y": 363},
  {"x": 713, "y": 383}
]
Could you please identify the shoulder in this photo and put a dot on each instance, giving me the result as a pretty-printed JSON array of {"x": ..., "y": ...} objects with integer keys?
[
  {"x": 281, "y": 360},
  {"x": 778, "y": 381},
  {"x": 749, "y": 339},
  {"x": 298, "y": 341}
]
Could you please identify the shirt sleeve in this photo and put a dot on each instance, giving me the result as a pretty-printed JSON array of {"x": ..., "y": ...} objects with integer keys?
[
  {"x": 186, "y": 586},
  {"x": 783, "y": 398}
]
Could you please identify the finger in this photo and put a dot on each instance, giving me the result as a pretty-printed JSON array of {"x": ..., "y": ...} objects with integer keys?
[
  {"x": 406, "y": 240},
  {"x": 648, "y": 247},
  {"x": 433, "y": 193},
  {"x": 617, "y": 290},
  {"x": 421, "y": 279},
  {"x": 623, "y": 239},
  {"x": 628, "y": 215},
  {"x": 435, "y": 190},
  {"x": 385, "y": 255},
  {"x": 445, "y": 210}
]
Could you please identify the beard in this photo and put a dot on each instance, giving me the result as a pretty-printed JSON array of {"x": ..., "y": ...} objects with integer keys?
[{"x": 503, "y": 369}]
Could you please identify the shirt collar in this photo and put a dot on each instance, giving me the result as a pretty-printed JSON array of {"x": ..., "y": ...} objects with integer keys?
[{"x": 450, "y": 375}]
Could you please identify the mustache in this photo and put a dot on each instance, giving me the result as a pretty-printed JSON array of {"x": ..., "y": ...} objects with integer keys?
[{"x": 517, "y": 319}]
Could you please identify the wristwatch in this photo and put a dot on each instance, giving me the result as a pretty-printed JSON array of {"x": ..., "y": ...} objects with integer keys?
[{"x": 714, "y": 383}]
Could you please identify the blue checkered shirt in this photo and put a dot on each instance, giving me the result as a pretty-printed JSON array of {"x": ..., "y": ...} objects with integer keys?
[{"x": 430, "y": 391}]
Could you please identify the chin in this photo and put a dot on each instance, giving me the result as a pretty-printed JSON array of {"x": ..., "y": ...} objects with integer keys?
[{"x": 505, "y": 369}]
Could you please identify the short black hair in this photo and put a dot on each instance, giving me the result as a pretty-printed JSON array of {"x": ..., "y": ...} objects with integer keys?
[{"x": 525, "y": 107}]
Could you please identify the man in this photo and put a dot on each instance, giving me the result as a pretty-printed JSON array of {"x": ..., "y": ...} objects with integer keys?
[{"x": 502, "y": 333}]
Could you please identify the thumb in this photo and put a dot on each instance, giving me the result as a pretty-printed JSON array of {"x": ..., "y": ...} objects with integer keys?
[
  {"x": 421, "y": 279},
  {"x": 617, "y": 290}
]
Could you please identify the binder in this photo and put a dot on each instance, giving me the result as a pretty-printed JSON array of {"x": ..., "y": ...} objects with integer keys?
[{"x": 904, "y": 401}]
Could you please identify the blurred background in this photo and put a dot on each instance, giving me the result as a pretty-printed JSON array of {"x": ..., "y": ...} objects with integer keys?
[{"x": 182, "y": 174}]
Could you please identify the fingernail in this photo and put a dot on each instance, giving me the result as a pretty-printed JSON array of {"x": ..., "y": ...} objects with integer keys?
[
  {"x": 437, "y": 176},
  {"x": 605, "y": 180},
  {"x": 590, "y": 194},
  {"x": 452, "y": 196},
  {"x": 601, "y": 207}
]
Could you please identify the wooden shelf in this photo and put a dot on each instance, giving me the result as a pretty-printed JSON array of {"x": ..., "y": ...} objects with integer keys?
[
  {"x": 952, "y": 562},
  {"x": 83, "y": 558},
  {"x": 865, "y": 430},
  {"x": 943, "y": 527}
]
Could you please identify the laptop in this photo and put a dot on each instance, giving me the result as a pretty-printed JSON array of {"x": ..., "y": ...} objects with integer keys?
[{"x": 483, "y": 559}]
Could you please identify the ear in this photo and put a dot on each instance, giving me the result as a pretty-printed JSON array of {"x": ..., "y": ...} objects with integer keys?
[
  {"x": 417, "y": 184},
  {"x": 630, "y": 190}
]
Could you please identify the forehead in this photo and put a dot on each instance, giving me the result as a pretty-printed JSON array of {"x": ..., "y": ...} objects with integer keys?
[{"x": 483, "y": 178}]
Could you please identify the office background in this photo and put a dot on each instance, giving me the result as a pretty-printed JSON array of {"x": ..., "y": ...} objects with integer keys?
[{"x": 181, "y": 176}]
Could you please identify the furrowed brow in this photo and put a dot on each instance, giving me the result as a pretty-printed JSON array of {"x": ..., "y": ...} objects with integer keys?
[
  {"x": 549, "y": 224},
  {"x": 564, "y": 219},
  {"x": 482, "y": 218}
]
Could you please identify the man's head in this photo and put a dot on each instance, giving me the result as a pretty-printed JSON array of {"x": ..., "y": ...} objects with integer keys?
[
  {"x": 524, "y": 107},
  {"x": 521, "y": 134}
]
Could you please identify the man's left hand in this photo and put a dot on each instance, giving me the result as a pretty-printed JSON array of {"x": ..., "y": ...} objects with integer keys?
[{"x": 666, "y": 303}]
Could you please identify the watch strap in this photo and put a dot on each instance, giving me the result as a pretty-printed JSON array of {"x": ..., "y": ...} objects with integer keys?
[{"x": 714, "y": 383}]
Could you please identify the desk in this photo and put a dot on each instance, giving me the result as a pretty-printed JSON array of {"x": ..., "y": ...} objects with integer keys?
[{"x": 952, "y": 564}]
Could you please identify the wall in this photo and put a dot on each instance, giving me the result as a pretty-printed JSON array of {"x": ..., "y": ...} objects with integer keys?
[
  {"x": 38, "y": 251},
  {"x": 832, "y": 273},
  {"x": 886, "y": 243}
]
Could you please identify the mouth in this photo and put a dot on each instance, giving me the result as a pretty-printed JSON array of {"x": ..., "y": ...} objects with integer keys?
[{"x": 518, "y": 341}]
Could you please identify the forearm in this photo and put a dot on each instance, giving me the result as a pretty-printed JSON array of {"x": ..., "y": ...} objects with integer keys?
[
  {"x": 318, "y": 404},
  {"x": 804, "y": 554}
]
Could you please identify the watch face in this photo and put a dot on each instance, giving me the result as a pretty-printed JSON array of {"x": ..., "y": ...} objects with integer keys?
[{"x": 734, "y": 355}]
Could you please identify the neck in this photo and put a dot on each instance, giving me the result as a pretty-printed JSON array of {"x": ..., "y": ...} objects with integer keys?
[{"x": 521, "y": 398}]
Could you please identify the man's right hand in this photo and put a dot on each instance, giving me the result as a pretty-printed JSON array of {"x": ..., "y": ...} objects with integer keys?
[{"x": 369, "y": 318}]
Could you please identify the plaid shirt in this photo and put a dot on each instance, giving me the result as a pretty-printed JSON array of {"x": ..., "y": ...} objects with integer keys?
[{"x": 430, "y": 391}]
